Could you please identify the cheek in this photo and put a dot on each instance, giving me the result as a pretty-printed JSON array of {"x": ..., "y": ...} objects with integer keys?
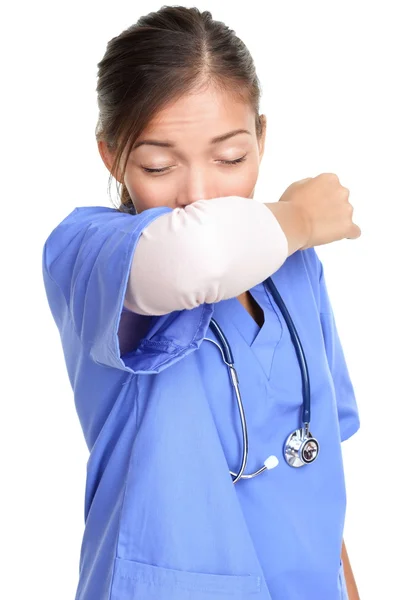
[
  {"x": 241, "y": 180},
  {"x": 147, "y": 192}
]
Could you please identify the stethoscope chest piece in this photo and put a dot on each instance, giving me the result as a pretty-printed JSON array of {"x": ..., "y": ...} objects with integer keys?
[{"x": 301, "y": 448}]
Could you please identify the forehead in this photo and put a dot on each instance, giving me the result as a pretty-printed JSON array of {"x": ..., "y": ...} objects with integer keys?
[{"x": 204, "y": 113}]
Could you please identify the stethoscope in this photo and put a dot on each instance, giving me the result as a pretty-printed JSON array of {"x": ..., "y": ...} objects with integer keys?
[{"x": 300, "y": 447}]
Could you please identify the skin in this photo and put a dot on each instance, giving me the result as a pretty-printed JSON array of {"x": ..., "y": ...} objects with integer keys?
[
  {"x": 351, "y": 585},
  {"x": 196, "y": 171},
  {"x": 195, "y": 168}
]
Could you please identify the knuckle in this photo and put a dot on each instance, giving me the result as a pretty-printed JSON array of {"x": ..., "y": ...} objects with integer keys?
[
  {"x": 345, "y": 191},
  {"x": 332, "y": 176}
]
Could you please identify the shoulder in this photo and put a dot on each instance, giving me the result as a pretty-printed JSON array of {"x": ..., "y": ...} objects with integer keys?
[
  {"x": 80, "y": 218},
  {"x": 302, "y": 265},
  {"x": 301, "y": 275},
  {"x": 87, "y": 215},
  {"x": 94, "y": 225},
  {"x": 312, "y": 263}
]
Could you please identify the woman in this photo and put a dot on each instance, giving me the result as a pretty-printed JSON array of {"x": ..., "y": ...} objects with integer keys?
[{"x": 133, "y": 290}]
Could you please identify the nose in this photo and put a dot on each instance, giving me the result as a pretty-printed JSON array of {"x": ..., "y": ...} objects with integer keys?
[{"x": 196, "y": 185}]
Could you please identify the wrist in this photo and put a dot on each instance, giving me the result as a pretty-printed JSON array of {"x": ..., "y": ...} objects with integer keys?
[{"x": 294, "y": 222}]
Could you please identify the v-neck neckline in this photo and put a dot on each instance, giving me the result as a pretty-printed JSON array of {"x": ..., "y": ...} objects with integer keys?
[
  {"x": 254, "y": 335},
  {"x": 260, "y": 341},
  {"x": 252, "y": 332}
]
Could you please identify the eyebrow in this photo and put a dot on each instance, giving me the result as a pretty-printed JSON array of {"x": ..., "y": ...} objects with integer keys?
[{"x": 214, "y": 140}]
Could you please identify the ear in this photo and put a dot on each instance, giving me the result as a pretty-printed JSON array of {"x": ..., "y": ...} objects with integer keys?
[
  {"x": 261, "y": 142},
  {"x": 108, "y": 158}
]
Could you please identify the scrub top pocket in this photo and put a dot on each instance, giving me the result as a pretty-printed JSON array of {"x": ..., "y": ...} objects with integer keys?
[{"x": 134, "y": 580}]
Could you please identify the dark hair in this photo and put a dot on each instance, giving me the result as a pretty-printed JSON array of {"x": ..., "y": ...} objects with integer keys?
[{"x": 164, "y": 55}]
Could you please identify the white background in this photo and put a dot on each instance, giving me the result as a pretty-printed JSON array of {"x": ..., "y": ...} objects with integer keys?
[{"x": 330, "y": 78}]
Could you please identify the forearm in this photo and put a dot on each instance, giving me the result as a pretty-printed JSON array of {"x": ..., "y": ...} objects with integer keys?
[
  {"x": 348, "y": 574},
  {"x": 293, "y": 223}
]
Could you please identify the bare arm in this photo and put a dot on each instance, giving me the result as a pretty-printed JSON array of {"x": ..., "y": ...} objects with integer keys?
[
  {"x": 216, "y": 249},
  {"x": 293, "y": 222},
  {"x": 348, "y": 574},
  {"x": 209, "y": 251}
]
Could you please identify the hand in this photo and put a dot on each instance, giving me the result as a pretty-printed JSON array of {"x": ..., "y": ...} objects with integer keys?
[{"x": 324, "y": 205}]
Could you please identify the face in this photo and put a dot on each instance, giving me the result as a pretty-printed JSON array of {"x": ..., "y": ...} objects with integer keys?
[{"x": 178, "y": 159}]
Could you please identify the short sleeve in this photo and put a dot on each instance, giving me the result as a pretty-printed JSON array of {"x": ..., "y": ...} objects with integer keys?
[
  {"x": 86, "y": 266},
  {"x": 348, "y": 414}
]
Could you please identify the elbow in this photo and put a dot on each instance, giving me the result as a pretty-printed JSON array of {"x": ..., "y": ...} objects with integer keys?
[
  {"x": 198, "y": 276},
  {"x": 202, "y": 279}
]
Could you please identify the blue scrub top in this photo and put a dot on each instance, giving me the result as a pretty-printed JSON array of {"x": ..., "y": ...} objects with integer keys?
[{"x": 163, "y": 519}]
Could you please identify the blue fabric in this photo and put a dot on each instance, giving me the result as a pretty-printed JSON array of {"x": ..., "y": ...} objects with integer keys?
[{"x": 163, "y": 520}]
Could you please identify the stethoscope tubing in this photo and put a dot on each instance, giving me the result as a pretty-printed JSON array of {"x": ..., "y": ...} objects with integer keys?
[
  {"x": 298, "y": 347},
  {"x": 227, "y": 357}
]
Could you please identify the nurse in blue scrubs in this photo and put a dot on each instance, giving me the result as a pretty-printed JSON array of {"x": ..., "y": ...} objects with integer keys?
[{"x": 163, "y": 520}]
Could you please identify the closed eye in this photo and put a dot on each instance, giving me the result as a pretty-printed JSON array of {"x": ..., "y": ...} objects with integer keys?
[
  {"x": 234, "y": 162},
  {"x": 225, "y": 162}
]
